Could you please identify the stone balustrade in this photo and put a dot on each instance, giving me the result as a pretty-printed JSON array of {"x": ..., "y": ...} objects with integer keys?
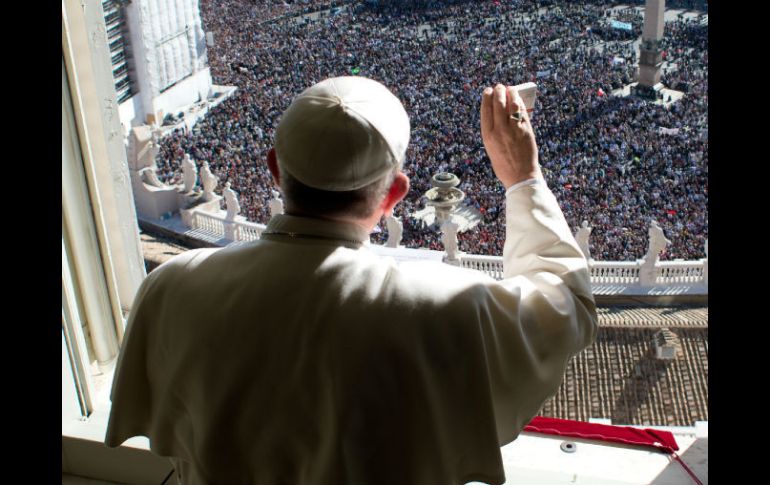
[
  {"x": 625, "y": 273},
  {"x": 615, "y": 277},
  {"x": 219, "y": 226},
  {"x": 614, "y": 272},
  {"x": 681, "y": 272},
  {"x": 491, "y": 265},
  {"x": 208, "y": 222},
  {"x": 249, "y": 231}
]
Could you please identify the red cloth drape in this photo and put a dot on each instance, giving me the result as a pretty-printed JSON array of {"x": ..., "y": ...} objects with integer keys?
[{"x": 653, "y": 438}]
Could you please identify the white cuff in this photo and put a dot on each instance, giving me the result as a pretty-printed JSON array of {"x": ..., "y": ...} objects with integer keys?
[{"x": 523, "y": 183}]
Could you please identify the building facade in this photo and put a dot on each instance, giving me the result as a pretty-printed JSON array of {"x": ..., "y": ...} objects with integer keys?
[{"x": 158, "y": 54}]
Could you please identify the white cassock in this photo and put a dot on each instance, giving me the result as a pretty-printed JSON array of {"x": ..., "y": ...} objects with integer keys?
[{"x": 305, "y": 359}]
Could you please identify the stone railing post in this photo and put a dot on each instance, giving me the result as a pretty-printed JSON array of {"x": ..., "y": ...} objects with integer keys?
[
  {"x": 230, "y": 230},
  {"x": 647, "y": 271}
]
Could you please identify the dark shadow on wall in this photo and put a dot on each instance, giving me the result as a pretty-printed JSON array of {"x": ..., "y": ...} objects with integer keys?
[{"x": 637, "y": 387}]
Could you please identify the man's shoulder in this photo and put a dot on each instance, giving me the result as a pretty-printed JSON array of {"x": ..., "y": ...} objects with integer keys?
[
  {"x": 182, "y": 276},
  {"x": 185, "y": 262},
  {"x": 433, "y": 271},
  {"x": 437, "y": 281}
]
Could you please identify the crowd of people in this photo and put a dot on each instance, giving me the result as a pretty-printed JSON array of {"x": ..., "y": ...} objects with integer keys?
[{"x": 616, "y": 162}]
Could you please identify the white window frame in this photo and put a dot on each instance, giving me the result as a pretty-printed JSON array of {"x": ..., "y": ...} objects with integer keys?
[{"x": 102, "y": 263}]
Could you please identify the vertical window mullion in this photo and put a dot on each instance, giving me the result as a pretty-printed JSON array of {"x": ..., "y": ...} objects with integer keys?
[
  {"x": 72, "y": 326},
  {"x": 79, "y": 239},
  {"x": 101, "y": 153}
]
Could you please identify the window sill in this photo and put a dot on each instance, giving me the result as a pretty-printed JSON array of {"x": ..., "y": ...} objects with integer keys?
[{"x": 85, "y": 455}]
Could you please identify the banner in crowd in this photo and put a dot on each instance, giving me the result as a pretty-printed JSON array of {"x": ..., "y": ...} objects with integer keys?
[
  {"x": 620, "y": 25},
  {"x": 668, "y": 131},
  {"x": 544, "y": 73}
]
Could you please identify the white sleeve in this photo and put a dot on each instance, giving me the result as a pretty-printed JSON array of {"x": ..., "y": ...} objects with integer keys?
[
  {"x": 523, "y": 183},
  {"x": 541, "y": 314}
]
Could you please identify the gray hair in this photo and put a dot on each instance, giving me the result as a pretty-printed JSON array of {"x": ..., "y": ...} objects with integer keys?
[{"x": 360, "y": 203}]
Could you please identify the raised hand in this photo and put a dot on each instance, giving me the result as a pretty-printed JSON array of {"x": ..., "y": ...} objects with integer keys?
[{"x": 508, "y": 136}]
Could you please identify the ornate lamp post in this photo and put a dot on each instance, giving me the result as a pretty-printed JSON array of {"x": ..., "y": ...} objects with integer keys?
[{"x": 444, "y": 196}]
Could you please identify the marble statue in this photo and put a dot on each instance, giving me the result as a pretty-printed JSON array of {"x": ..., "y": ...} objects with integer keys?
[
  {"x": 582, "y": 235},
  {"x": 275, "y": 204},
  {"x": 149, "y": 177},
  {"x": 231, "y": 202},
  {"x": 209, "y": 182},
  {"x": 395, "y": 231},
  {"x": 189, "y": 173},
  {"x": 449, "y": 239},
  {"x": 647, "y": 271},
  {"x": 157, "y": 134},
  {"x": 658, "y": 241}
]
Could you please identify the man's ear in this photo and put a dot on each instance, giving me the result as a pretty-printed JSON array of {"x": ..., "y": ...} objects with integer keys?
[
  {"x": 397, "y": 191},
  {"x": 272, "y": 165}
]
